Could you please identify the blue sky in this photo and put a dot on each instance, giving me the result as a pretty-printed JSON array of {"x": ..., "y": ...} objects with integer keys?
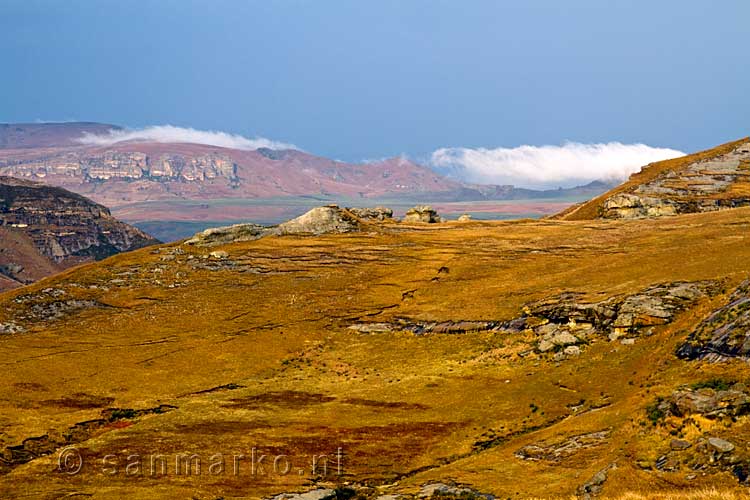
[{"x": 355, "y": 79}]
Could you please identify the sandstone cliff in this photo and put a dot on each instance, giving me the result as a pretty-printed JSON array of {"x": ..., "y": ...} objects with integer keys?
[{"x": 45, "y": 229}]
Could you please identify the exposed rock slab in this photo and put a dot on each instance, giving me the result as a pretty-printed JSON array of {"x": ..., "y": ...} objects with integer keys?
[
  {"x": 702, "y": 186},
  {"x": 725, "y": 333}
]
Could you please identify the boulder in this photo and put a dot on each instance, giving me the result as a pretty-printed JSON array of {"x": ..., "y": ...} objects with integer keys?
[
  {"x": 564, "y": 339},
  {"x": 720, "y": 445},
  {"x": 317, "y": 494},
  {"x": 679, "y": 444},
  {"x": 572, "y": 350},
  {"x": 441, "y": 489},
  {"x": 464, "y": 218},
  {"x": 320, "y": 220},
  {"x": 422, "y": 213}
]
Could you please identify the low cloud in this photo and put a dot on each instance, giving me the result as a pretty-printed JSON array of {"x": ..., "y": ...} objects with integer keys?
[
  {"x": 169, "y": 133},
  {"x": 548, "y": 166}
]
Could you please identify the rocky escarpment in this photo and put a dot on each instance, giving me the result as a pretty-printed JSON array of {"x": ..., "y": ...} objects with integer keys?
[
  {"x": 701, "y": 186},
  {"x": 725, "y": 333},
  {"x": 116, "y": 165},
  {"x": 62, "y": 227}
]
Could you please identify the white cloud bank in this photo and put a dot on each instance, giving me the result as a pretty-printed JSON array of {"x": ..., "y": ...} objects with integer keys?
[
  {"x": 548, "y": 166},
  {"x": 169, "y": 133}
]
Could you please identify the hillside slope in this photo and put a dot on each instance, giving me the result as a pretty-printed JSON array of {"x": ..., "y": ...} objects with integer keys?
[
  {"x": 45, "y": 229},
  {"x": 714, "y": 179},
  {"x": 520, "y": 359}
]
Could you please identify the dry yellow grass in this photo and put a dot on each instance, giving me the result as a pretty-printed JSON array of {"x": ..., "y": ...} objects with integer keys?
[{"x": 260, "y": 355}]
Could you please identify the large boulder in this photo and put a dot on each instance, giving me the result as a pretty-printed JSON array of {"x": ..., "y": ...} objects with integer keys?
[
  {"x": 321, "y": 220},
  {"x": 422, "y": 213}
]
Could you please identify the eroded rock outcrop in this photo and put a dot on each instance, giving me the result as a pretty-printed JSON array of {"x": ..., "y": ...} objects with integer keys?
[
  {"x": 697, "y": 446},
  {"x": 566, "y": 320},
  {"x": 376, "y": 214},
  {"x": 321, "y": 220},
  {"x": 725, "y": 333},
  {"x": 557, "y": 451},
  {"x": 422, "y": 213},
  {"x": 701, "y": 186}
]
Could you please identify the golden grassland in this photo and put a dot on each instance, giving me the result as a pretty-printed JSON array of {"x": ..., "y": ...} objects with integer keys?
[{"x": 259, "y": 354}]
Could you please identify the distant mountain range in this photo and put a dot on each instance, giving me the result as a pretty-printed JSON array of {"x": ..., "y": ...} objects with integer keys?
[{"x": 132, "y": 172}]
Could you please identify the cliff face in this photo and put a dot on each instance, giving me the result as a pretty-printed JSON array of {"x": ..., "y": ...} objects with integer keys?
[{"x": 45, "y": 229}]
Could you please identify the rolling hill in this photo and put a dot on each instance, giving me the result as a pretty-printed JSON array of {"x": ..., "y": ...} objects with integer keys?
[{"x": 590, "y": 357}]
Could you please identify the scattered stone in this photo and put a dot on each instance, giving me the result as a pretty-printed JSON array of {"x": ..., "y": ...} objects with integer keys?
[
  {"x": 593, "y": 486},
  {"x": 219, "y": 254},
  {"x": 564, "y": 339},
  {"x": 228, "y": 234},
  {"x": 566, "y": 320},
  {"x": 680, "y": 444},
  {"x": 372, "y": 327},
  {"x": 720, "y": 444},
  {"x": 572, "y": 350},
  {"x": 443, "y": 490},
  {"x": 424, "y": 328},
  {"x": 421, "y": 213},
  {"x": 11, "y": 327},
  {"x": 317, "y": 494},
  {"x": 627, "y": 341},
  {"x": 320, "y": 220}
]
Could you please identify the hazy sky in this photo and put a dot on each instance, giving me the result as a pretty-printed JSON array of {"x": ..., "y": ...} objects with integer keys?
[{"x": 355, "y": 80}]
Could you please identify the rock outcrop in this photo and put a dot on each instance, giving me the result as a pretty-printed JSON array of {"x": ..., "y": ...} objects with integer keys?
[
  {"x": 329, "y": 219},
  {"x": 701, "y": 186},
  {"x": 421, "y": 213},
  {"x": 376, "y": 214},
  {"x": 557, "y": 451},
  {"x": 320, "y": 220},
  {"x": 725, "y": 333},
  {"x": 721, "y": 402},
  {"x": 565, "y": 320}
]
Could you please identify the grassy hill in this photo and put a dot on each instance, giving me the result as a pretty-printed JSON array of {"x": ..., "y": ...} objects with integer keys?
[{"x": 522, "y": 359}]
